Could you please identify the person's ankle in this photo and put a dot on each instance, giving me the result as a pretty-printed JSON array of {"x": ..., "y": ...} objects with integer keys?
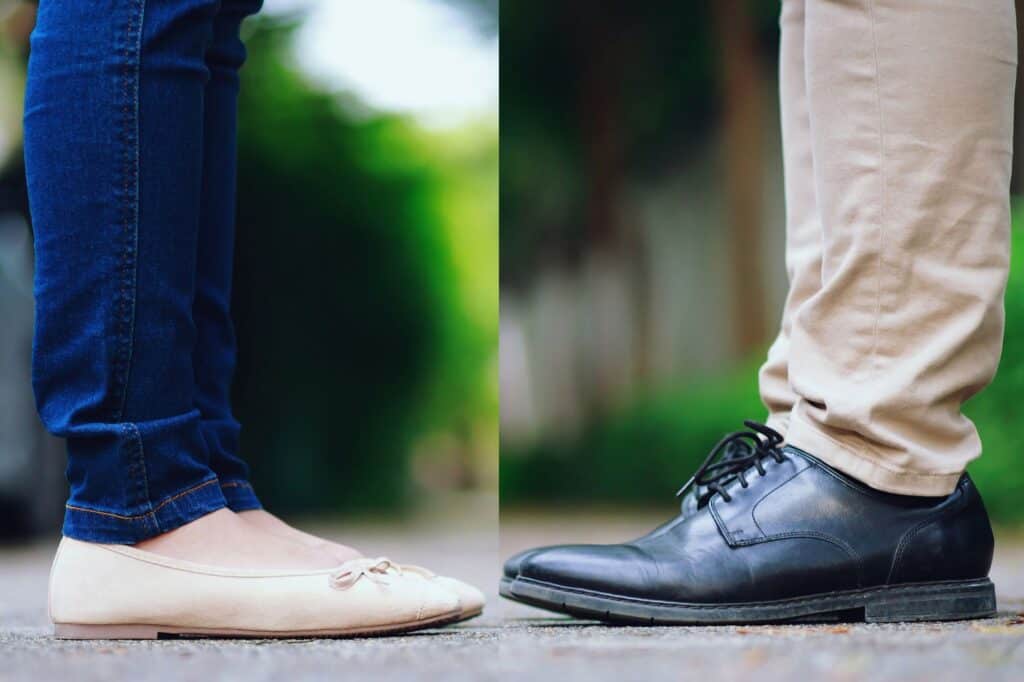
[
  {"x": 221, "y": 538},
  {"x": 270, "y": 523}
]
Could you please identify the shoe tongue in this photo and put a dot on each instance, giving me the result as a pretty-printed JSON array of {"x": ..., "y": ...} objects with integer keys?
[{"x": 690, "y": 500}]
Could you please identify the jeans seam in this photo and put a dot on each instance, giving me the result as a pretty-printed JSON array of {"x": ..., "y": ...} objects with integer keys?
[
  {"x": 138, "y": 477},
  {"x": 124, "y": 315},
  {"x": 152, "y": 512},
  {"x": 125, "y": 311}
]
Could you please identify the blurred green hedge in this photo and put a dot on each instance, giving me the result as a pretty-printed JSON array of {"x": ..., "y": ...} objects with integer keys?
[
  {"x": 643, "y": 453},
  {"x": 998, "y": 411},
  {"x": 365, "y": 287}
]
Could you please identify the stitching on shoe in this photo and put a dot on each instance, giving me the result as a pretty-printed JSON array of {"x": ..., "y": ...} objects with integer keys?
[
  {"x": 753, "y": 510},
  {"x": 909, "y": 535},
  {"x": 813, "y": 535},
  {"x": 720, "y": 524},
  {"x": 724, "y": 528}
]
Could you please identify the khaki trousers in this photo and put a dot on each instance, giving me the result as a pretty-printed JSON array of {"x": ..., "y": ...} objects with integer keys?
[{"x": 897, "y": 123}]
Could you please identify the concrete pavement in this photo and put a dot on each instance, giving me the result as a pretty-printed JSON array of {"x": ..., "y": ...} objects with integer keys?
[
  {"x": 514, "y": 642},
  {"x": 536, "y": 645}
]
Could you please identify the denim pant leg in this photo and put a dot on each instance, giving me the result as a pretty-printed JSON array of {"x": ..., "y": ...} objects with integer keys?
[
  {"x": 113, "y": 147},
  {"x": 214, "y": 358}
]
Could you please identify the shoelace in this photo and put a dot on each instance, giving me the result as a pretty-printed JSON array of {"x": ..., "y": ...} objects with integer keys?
[
  {"x": 733, "y": 450},
  {"x": 375, "y": 570},
  {"x": 758, "y": 443}
]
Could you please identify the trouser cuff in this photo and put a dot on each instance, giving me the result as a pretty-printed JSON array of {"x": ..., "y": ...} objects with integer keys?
[
  {"x": 857, "y": 462},
  {"x": 779, "y": 421}
]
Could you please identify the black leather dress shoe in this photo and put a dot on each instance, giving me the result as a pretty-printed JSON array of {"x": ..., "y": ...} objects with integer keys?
[
  {"x": 510, "y": 571},
  {"x": 777, "y": 535}
]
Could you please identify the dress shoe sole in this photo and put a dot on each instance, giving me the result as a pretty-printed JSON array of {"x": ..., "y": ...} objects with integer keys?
[
  {"x": 938, "y": 601},
  {"x": 505, "y": 587},
  {"x": 75, "y": 631}
]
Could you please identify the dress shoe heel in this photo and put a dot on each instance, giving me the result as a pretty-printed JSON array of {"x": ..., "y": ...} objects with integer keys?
[{"x": 961, "y": 600}]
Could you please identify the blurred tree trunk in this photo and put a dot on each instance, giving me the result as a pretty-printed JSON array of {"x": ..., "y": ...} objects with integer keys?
[
  {"x": 742, "y": 104},
  {"x": 598, "y": 47},
  {"x": 603, "y": 35},
  {"x": 599, "y": 112}
]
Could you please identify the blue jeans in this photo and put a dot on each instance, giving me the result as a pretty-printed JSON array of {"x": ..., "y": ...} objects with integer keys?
[{"x": 130, "y": 126}]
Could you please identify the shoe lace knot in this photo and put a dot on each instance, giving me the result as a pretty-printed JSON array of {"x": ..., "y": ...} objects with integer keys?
[
  {"x": 730, "y": 459},
  {"x": 378, "y": 570}
]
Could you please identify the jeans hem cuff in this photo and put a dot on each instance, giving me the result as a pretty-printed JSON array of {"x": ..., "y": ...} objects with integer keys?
[
  {"x": 240, "y": 496},
  {"x": 174, "y": 511}
]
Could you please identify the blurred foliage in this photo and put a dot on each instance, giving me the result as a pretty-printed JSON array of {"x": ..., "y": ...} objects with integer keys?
[
  {"x": 997, "y": 410},
  {"x": 638, "y": 80},
  {"x": 641, "y": 454},
  {"x": 644, "y": 452},
  {"x": 365, "y": 289}
]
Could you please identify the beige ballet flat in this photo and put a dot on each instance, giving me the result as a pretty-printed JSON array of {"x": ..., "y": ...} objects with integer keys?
[
  {"x": 471, "y": 600},
  {"x": 100, "y": 591}
]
